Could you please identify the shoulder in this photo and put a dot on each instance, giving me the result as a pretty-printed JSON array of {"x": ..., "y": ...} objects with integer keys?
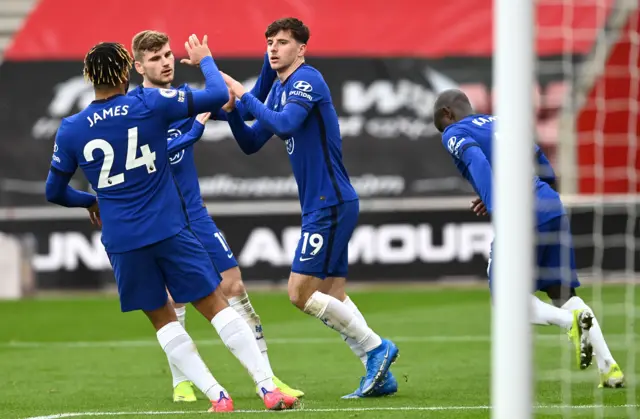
[
  {"x": 307, "y": 71},
  {"x": 307, "y": 78},
  {"x": 137, "y": 91},
  {"x": 71, "y": 122},
  {"x": 66, "y": 123},
  {"x": 455, "y": 139},
  {"x": 452, "y": 132},
  {"x": 65, "y": 130},
  {"x": 307, "y": 84},
  {"x": 153, "y": 92},
  {"x": 141, "y": 95},
  {"x": 154, "y": 97}
]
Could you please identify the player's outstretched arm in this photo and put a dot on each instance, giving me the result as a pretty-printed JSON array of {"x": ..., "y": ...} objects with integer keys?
[
  {"x": 260, "y": 90},
  {"x": 188, "y": 139},
  {"x": 281, "y": 123},
  {"x": 175, "y": 105},
  {"x": 215, "y": 93},
  {"x": 59, "y": 192},
  {"x": 249, "y": 138}
]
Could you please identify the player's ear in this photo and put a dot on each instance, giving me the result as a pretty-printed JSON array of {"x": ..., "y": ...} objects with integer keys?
[
  {"x": 302, "y": 49},
  {"x": 448, "y": 113},
  {"x": 139, "y": 68}
]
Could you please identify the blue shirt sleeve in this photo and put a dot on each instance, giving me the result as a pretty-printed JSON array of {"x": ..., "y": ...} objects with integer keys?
[
  {"x": 260, "y": 90},
  {"x": 185, "y": 140},
  {"x": 58, "y": 191},
  {"x": 281, "y": 123},
  {"x": 466, "y": 150},
  {"x": 64, "y": 155},
  {"x": 178, "y": 104},
  {"x": 307, "y": 89},
  {"x": 63, "y": 166},
  {"x": 249, "y": 138},
  {"x": 544, "y": 169}
]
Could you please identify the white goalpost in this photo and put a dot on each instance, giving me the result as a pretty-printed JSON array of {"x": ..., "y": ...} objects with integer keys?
[
  {"x": 513, "y": 75},
  {"x": 600, "y": 111}
]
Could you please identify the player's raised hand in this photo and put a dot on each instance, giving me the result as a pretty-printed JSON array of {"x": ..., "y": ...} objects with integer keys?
[
  {"x": 234, "y": 85},
  {"x": 231, "y": 104},
  {"x": 94, "y": 214},
  {"x": 478, "y": 207},
  {"x": 197, "y": 50},
  {"x": 203, "y": 117}
]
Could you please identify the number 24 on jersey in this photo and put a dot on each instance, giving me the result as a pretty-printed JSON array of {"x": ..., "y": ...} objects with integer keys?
[{"x": 106, "y": 180}]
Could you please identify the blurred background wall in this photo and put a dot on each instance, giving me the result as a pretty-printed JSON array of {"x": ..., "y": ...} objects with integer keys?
[{"x": 385, "y": 65}]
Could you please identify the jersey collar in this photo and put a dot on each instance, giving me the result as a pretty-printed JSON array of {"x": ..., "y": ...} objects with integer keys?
[
  {"x": 282, "y": 83},
  {"x": 468, "y": 117},
  {"x": 110, "y": 98}
]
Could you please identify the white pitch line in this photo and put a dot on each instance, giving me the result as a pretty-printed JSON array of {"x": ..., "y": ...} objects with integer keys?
[
  {"x": 347, "y": 409},
  {"x": 211, "y": 342},
  {"x": 277, "y": 341}
]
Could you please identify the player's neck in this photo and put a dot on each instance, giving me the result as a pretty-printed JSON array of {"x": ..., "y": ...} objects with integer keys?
[
  {"x": 282, "y": 76},
  {"x": 465, "y": 115},
  {"x": 150, "y": 85},
  {"x": 102, "y": 94}
]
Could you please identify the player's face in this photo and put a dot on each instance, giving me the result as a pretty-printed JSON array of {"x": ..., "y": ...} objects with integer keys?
[
  {"x": 283, "y": 50},
  {"x": 157, "y": 67}
]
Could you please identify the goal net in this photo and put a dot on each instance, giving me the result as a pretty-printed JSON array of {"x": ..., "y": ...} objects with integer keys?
[{"x": 596, "y": 157}]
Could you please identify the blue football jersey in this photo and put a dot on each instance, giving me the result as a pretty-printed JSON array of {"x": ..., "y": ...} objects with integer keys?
[
  {"x": 477, "y": 131},
  {"x": 183, "y": 166},
  {"x": 314, "y": 148},
  {"x": 121, "y": 146},
  {"x": 182, "y": 162}
]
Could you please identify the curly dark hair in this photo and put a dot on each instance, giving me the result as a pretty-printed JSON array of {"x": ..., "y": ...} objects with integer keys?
[{"x": 107, "y": 65}]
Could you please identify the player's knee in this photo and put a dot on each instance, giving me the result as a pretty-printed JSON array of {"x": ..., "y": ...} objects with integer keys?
[
  {"x": 301, "y": 287},
  {"x": 162, "y": 316},
  {"x": 232, "y": 285},
  {"x": 298, "y": 295},
  {"x": 559, "y": 294},
  {"x": 212, "y": 304}
]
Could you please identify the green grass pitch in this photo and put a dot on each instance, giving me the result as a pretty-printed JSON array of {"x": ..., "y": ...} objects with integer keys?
[{"x": 81, "y": 354}]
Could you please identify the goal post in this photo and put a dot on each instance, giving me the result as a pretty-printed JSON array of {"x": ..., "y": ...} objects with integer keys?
[
  {"x": 598, "y": 163},
  {"x": 513, "y": 153}
]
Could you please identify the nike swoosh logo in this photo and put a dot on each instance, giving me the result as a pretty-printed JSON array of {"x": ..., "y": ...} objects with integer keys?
[
  {"x": 229, "y": 255},
  {"x": 305, "y": 259},
  {"x": 384, "y": 361}
]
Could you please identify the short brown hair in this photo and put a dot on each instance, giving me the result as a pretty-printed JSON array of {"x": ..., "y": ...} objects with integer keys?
[
  {"x": 299, "y": 31},
  {"x": 148, "y": 41}
]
